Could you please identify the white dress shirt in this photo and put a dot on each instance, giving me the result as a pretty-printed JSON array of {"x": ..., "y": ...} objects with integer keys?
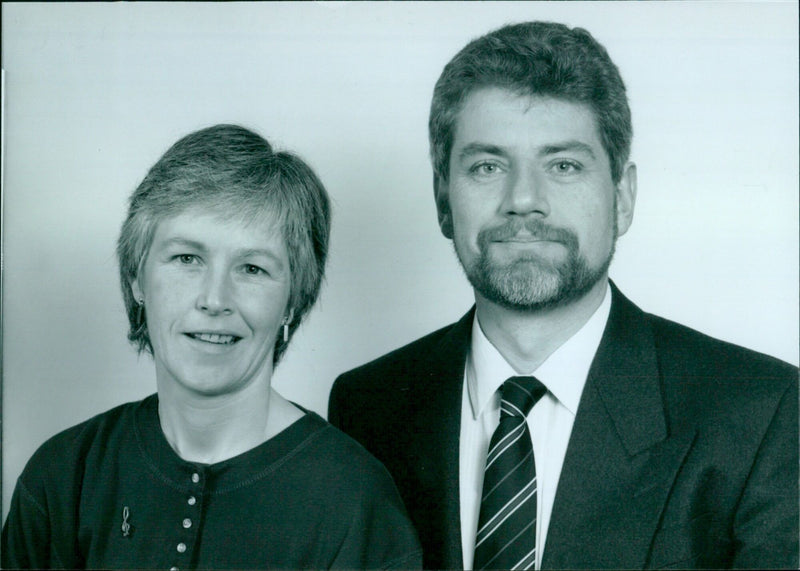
[{"x": 550, "y": 421}]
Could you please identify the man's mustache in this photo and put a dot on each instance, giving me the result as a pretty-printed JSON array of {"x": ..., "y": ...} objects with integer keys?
[{"x": 537, "y": 229}]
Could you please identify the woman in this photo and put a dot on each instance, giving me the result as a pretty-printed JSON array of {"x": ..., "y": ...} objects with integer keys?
[{"x": 221, "y": 256}]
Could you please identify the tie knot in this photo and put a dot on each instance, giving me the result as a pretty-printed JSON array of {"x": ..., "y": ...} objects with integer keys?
[{"x": 519, "y": 394}]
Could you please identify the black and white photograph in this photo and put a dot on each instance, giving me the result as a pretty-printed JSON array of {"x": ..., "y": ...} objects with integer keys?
[{"x": 273, "y": 274}]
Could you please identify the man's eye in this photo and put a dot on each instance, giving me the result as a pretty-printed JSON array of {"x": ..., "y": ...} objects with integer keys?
[
  {"x": 566, "y": 167},
  {"x": 486, "y": 169}
]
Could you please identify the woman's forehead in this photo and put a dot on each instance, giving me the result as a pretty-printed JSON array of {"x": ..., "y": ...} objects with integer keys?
[
  {"x": 203, "y": 224},
  {"x": 265, "y": 214}
]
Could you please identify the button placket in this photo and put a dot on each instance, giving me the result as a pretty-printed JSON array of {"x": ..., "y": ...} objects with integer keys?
[{"x": 189, "y": 515}]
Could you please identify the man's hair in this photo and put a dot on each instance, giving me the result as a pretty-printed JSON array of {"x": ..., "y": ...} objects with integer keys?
[
  {"x": 234, "y": 173},
  {"x": 538, "y": 59}
]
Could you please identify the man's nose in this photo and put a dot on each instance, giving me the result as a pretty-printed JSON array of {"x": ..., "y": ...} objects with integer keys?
[{"x": 525, "y": 194}]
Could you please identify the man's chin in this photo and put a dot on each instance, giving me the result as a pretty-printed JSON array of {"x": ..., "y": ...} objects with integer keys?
[
  {"x": 530, "y": 286},
  {"x": 525, "y": 287}
]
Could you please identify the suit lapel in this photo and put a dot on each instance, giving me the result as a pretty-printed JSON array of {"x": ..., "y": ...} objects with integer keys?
[
  {"x": 437, "y": 425},
  {"x": 620, "y": 463}
]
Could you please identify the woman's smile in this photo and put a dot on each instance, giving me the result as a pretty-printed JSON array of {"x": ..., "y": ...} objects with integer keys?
[{"x": 214, "y": 338}]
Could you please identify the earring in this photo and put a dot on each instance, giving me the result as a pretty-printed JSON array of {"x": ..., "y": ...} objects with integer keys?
[
  {"x": 286, "y": 321},
  {"x": 286, "y": 329},
  {"x": 140, "y": 310}
]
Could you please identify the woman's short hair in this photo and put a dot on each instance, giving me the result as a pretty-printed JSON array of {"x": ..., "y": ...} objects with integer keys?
[
  {"x": 236, "y": 173},
  {"x": 540, "y": 59}
]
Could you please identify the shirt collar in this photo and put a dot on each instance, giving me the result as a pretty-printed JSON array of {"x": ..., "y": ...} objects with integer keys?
[{"x": 564, "y": 372}]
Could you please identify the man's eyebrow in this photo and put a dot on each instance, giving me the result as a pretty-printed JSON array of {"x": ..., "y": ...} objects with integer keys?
[
  {"x": 480, "y": 148},
  {"x": 567, "y": 146},
  {"x": 546, "y": 150}
]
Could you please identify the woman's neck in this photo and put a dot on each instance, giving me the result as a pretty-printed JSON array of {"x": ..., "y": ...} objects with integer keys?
[{"x": 208, "y": 430}]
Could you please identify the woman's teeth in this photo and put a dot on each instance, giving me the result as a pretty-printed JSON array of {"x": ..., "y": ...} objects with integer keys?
[{"x": 214, "y": 338}]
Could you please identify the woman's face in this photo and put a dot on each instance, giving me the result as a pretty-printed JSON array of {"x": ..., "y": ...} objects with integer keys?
[{"x": 215, "y": 294}]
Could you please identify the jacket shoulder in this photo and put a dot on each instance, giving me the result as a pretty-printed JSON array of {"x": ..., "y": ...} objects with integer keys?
[
  {"x": 685, "y": 348},
  {"x": 394, "y": 365},
  {"x": 708, "y": 380}
]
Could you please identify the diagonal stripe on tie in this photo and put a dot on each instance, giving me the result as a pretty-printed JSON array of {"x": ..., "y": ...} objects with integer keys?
[
  {"x": 505, "y": 444},
  {"x": 506, "y": 537},
  {"x": 526, "y": 562},
  {"x": 504, "y": 478},
  {"x": 511, "y": 543},
  {"x": 509, "y": 509}
]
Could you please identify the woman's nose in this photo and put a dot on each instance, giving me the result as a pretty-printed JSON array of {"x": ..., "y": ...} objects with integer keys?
[{"x": 215, "y": 293}]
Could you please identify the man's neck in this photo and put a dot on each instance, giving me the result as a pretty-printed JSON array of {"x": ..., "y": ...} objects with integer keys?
[{"x": 527, "y": 338}]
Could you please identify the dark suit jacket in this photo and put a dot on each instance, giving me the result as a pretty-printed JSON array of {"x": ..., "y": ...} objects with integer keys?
[{"x": 684, "y": 451}]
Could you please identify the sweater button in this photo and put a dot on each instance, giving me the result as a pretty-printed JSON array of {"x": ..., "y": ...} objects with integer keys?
[
  {"x": 173, "y": 569},
  {"x": 187, "y": 523},
  {"x": 191, "y": 501},
  {"x": 195, "y": 477},
  {"x": 181, "y": 547}
]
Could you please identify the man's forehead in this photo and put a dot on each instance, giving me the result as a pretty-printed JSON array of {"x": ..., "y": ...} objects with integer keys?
[
  {"x": 491, "y": 98},
  {"x": 499, "y": 114}
]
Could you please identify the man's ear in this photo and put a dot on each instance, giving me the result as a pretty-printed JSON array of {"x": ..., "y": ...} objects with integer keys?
[
  {"x": 441, "y": 194},
  {"x": 626, "y": 198}
]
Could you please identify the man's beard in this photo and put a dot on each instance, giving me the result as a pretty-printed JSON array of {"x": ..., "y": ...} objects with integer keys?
[{"x": 531, "y": 282}]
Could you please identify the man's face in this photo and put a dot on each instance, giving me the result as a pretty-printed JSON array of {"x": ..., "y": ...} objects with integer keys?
[{"x": 530, "y": 203}]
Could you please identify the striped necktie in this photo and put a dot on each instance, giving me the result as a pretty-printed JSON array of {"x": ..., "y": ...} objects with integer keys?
[{"x": 506, "y": 536}]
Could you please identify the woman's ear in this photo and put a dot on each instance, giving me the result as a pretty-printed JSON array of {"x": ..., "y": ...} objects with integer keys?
[{"x": 136, "y": 290}]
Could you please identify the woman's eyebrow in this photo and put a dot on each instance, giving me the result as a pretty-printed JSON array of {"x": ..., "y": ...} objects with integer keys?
[
  {"x": 255, "y": 252},
  {"x": 185, "y": 242}
]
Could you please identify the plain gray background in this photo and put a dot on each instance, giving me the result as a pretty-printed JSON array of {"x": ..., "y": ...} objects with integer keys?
[{"x": 96, "y": 92}]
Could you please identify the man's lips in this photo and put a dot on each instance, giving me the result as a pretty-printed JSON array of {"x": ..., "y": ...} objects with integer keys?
[
  {"x": 530, "y": 234},
  {"x": 215, "y": 338},
  {"x": 524, "y": 238}
]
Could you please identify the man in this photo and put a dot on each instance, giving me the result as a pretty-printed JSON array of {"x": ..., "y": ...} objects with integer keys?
[{"x": 648, "y": 444}]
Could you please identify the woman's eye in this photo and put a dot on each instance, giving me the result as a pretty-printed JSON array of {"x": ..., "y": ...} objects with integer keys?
[
  {"x": 252, "y": 270},
  {"x": 187, "y": 258}
]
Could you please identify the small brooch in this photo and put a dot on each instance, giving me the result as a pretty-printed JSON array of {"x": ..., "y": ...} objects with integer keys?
[{"x": 126, "y": 527}]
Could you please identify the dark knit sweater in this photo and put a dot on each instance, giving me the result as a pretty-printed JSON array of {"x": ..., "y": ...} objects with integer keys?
[{"x": 112, "y": 493}]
